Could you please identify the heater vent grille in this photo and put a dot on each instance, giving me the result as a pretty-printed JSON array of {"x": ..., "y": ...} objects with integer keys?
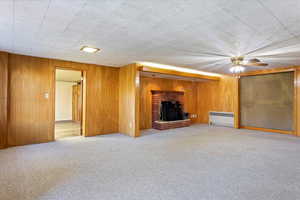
[{"x": 221, "y": 118}]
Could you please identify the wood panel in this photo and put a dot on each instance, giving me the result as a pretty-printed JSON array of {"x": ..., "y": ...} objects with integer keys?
[
  {"x": 76, "y": 103},
  {"x": 100, "y": 114},
  {"x": 30, "y": 111},
  {"x": 3, "y": 98},
  {"x": 147, "y": 84},
  {"x": 217, "y": 96},
  {"x": 102, "y": 100},
  {"x": 129, "y": 100}
]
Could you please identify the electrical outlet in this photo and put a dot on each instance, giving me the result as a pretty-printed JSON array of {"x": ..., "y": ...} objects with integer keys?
[{"x": 193, "y": 115}]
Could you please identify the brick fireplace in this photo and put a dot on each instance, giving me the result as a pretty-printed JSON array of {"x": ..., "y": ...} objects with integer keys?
[{"x": 157, "y": 97}]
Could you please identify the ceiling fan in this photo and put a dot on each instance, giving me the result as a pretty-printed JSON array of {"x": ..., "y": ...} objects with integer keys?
[{"x": 239, "y": 64}]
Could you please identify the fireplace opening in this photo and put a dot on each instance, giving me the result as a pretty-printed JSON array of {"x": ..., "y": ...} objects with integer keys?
[{"x": 171, "y": 111}]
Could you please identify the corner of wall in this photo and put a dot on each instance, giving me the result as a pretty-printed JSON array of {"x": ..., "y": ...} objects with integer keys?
[{"x": 129, "y": 83}]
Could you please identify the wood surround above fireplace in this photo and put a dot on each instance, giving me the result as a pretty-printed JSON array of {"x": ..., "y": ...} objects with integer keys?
[{"x": 157, "y": 97}]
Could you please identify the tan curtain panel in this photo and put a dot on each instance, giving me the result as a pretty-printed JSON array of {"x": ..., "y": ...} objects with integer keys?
[{"x": 266, "y": 101}]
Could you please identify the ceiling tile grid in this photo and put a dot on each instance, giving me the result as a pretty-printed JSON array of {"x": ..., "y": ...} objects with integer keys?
[{"x": 199, "y": 34}]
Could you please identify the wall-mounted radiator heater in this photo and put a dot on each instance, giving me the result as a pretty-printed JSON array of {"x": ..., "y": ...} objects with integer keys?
[{"x": 221, "y": 118}]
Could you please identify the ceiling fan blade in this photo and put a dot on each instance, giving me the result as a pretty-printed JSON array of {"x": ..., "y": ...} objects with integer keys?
[
  {"x": 258, "y": 64},
  {"x": 254, "y": 60}
]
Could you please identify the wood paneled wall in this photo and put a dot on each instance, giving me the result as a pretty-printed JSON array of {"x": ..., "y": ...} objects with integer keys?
[
  {"x": 30, "y": 111},
  {"x": 217, "y": 96},
  {"x": 115, "y": 99},
  {"x": 101, "y": 97},
  {"x": 31, "y": 118},
  {"x": 102, "y": 100},
  {"x": 147, "y": 84},
  {"x": 129, "y": 100},
  {"x": 3, "y": 98}
]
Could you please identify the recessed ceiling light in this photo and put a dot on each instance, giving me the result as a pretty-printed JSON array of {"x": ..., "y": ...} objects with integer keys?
[
  {"x": 89, "y": 49},
  {"x": 180, "y": 69}
]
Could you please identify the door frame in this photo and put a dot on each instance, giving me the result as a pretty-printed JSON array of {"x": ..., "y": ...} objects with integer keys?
[{"x": 83, "y": 99}]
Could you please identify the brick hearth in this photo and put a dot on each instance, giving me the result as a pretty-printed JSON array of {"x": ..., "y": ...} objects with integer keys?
[{"x": 163, "y": 125}]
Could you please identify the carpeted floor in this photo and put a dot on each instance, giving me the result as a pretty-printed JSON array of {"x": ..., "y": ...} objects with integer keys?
[{"x": 193, "y": 163}]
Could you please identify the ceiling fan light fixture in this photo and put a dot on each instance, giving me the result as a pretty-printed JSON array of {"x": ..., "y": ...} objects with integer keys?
[{"x": 237, "y": 69}]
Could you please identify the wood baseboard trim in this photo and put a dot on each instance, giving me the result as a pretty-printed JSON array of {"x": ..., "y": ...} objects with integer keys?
[{"x": 268, "y": 130}]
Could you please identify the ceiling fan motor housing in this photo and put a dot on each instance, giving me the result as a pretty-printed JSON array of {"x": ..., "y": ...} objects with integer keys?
[{"x": 237, "y": 60}]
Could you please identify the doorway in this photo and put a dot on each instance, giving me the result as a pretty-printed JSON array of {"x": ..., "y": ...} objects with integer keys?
[{"x": 68, "y": 103}]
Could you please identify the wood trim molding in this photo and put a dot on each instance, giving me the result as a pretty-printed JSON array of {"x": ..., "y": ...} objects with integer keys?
[
  {"x": 297, "y": 102},
  {"x": 237, "y": 104},
  {"x": 3, "y": 99},
  {"x": 268, "y": 71},
  {"x": 83, "y": 96},
  {"x": 268, "y": 130},
  {"x": 177, "y": 73},
  {"x": 137, "y": 84}
]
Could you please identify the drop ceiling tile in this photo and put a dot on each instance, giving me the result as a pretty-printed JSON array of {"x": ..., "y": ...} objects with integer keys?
[
  {"x": 287, "y": 12},
  {"x": 187, "y": 33}
]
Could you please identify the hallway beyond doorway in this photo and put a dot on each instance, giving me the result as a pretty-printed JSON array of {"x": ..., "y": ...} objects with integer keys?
[{"x": 66, "y": 129}]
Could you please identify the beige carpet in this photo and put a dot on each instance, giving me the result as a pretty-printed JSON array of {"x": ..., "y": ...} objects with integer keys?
[{"x": 193, "y": 163}]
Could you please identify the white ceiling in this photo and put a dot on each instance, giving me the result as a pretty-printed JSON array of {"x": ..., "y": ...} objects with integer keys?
[
  {"x": 200, "y": 34},
  {"x": 68, "y": 75}
]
